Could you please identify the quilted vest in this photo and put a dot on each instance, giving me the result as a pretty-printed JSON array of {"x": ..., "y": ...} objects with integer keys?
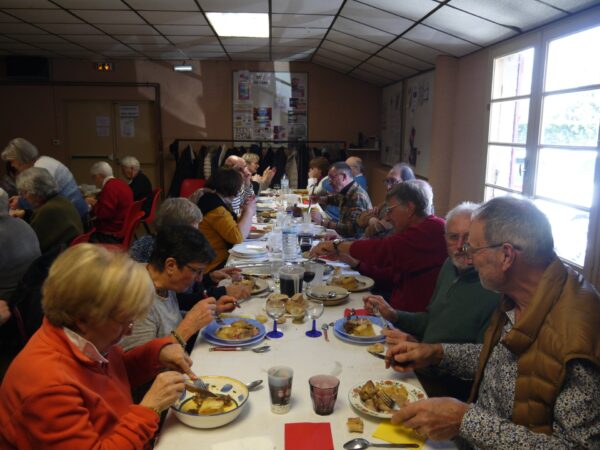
[{"x": 560, "y": 324}]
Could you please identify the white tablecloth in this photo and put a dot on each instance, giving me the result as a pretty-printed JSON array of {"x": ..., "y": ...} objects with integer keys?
[{"x": 257, "y": 428}]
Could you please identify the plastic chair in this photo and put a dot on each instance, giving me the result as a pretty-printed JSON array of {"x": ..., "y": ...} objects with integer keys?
[
  {"x": 191, "y": 185},
  {"x": 147, "y": 221},
  {"x": 85, "y": 237},
  {"x": 132, "y": 220}
]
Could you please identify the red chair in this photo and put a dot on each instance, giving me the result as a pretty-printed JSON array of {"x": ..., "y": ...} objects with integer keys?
[
  {"x": 147, "y": 221},
  {"x": 132, "y": 220},
  {"x": 190, "y": 185},
  {"x": 85, "y": 237}
]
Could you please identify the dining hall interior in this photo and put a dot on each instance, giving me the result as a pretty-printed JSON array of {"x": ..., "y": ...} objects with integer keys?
[{"x": 482, "y": 100}]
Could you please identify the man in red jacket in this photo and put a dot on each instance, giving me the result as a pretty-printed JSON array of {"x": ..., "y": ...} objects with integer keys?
[
  {"x": 113, "y": 203},
  {"x": 407, "y": 262}
]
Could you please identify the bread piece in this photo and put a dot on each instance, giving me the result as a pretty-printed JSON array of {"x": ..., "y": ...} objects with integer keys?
[
  {"x": 355, "y": 425},
  {"x": 376, "y": 348},
  {"x": 211, "y": 405}
]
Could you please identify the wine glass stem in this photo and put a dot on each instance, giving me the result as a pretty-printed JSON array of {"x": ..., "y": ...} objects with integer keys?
[
  {"x": 314, "y": 328},
  {"x": 274, "y": 326}
]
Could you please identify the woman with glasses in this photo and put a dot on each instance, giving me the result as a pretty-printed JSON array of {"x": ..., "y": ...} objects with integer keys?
[
  {"x": 180, "y": 256},
  {"x": 70, "y": 386}
]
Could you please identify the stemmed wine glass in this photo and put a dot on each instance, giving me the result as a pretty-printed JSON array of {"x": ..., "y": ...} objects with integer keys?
[
  {"x": 275, "y": 309},
  {"x": 308, "y": 276},
  {"x": 314, "y": 310}
]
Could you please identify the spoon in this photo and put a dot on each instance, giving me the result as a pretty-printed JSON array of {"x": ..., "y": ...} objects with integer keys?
[
  {"x": 254, "y": 384},
  {"x": 360, "y": 443}
]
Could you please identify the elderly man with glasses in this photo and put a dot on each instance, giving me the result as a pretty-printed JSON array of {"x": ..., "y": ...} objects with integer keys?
[
  {"x": 374, "y": 221},
  {"x": 537, "y": 373},
  {"x": 407, "y": 262}
]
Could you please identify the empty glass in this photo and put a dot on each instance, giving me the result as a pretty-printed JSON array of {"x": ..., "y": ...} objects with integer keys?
[
  {"x": 314, "y": 310},
  {"x": 275, "y": 309},
  {"x": 323, "y": 392}
]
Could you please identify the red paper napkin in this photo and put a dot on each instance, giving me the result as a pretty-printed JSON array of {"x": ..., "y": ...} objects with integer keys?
[
  {"x": 308, "y": 436},
  {"x": 357, "y": 312}
]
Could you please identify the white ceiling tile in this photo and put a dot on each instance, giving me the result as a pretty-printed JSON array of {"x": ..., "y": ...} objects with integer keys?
[
  {"x": 364, "y": 31},
  {"x": 517, "y": 13},
  {"x": 44, "y": 16},
  {"x": 253, "y": 42},
  {"x": 386, "y": 71},
  {"x": 375, "y": 17},
  {"x": 409, "y": 47},
  {"x": 174, "y": 17},
  {"x": 58, "y": 46},
  {"x": 109, "y": 17},
  {"x": 92, "y": 4},
  {"x": 141, "y": 39},
  {"x": 165, "y": 55},
  {"x": 342, "y": 49},
  {"x": 37, "y": 52},
  {"x": 291, "y": 49},
  {"x": 27, "y": 4},
  {"x": 247, "y": 6},
  {"x": 163, "y": 5},
  {"x": 79, "y": 54},
  {"x": 188, "y": 41},
  {"x": 116, "y": 47},
  {"x": 392, "y": 67},
  {"x": 21, "y": 28},
  {"x": 16, "y": 46},
  {"x": 154, "y": 47},
  {"x": 572, "y": 5},
  {"x": 298, "y": 32},
  {"x": 363, "y": 75},
  {"x": 406, "y": 60},
  {"x": 7, "y": 39},
  {"x": 127, "y": 29},
  {"x": 374, "y": 74},
  {"x": 295, "y": 42},
  {"x": 410, "y": 9},
  {"x": 39, "y": 38},
  {"x": 92, "y": 39},
  {"x": 203, "y": 48},
  {"x": 119, "y": 54},
  {"x": 198, "y": 30},
  {"x": 5, "y": 18},
  {"x": 206, "y": 55},
  {"x": 250, "y": 56},
  {"x": 442, "y": 41},
  {"x": 330, "y": 63},
  {"x": 351, "y": 41},
  {"x": 70, "y": 28},
  {"x": 244, "y": 48},
  {"x": 467, "y": 26},
  {"x": 301, "y": 20},
  {"x": 306, "y": 6},
  {"x": 323, "y": 52}
]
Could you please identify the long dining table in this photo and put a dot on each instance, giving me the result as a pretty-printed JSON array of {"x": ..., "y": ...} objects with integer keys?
[{"x": 257, "y": 428}]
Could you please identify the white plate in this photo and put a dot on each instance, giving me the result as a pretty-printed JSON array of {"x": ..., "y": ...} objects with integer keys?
[
  {"x": 414, "y": 394},
  {"x": 249, "y": 249},
  {"x": 319, "y": 292},
  {"x": 364, "y": 283}
]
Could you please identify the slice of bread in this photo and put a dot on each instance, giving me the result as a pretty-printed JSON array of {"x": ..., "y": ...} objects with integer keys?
[{"x": 355, "y": 425}]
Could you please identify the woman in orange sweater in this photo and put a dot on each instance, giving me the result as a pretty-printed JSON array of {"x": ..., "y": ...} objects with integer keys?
[{"x": 70, "y": 386}]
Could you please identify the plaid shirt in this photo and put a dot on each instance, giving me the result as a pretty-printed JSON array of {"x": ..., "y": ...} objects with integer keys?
[{"x": 352, "y": 201}]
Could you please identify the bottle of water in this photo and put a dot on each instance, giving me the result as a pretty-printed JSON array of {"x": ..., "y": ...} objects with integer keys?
[
  {"x": 285, "y": 185},
  {"x": 289, "y": 242}
]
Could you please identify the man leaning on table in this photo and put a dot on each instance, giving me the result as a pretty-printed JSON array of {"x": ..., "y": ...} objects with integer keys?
[{"x": 537, "y": 373}]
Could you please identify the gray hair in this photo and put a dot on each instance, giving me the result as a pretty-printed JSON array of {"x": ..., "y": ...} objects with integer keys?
[
  {"x": 38, "y": 182},
  {"x": 417, "y": 192},
  {"x": 404, "y": 170},
  {"x": 520, "y": 223},
  {"x": 3, "y": 202},
  {"x": 356, "y": 163},
  {"x": 21, "y": 150},
  {"x": 177, "y": 211},
  {"x": 341, "y": 166},
  {"x": 130, "y": 161},
  {"x": 101, "y": 168},
  {"x": 462, "y": 209},
  {"x": 250, "y": 157}
]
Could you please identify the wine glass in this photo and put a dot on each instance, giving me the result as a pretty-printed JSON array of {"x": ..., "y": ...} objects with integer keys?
[
  {"x": 314, "y": 310},
  {"x": 305, "y": 243},
  {"x": 308, "y": 276},
  {"x": 275, "y": 309}
]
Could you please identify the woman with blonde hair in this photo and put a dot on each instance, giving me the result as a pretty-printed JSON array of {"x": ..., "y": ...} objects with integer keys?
[{"x": 70, "y": 386}]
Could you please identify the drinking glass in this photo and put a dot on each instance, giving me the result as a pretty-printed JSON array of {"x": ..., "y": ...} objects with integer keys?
[
  {"x": 314, "y": 310},
  {"x": 275, "y": 309},
  {"x": 308, "y": 276},
  {"x": 305, "y": 242}
]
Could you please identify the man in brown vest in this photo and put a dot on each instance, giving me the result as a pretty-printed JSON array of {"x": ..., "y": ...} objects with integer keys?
[{"x": 537, "y": 373}]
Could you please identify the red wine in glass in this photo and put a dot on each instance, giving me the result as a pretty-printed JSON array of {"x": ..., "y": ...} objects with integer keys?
[{"x": 308, "y": 276}]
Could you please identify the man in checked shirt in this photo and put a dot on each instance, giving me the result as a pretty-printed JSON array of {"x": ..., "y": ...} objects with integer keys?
[{"x": 537, "y": 373}]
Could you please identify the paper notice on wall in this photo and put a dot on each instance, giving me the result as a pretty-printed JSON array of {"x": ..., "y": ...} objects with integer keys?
[
  {"x": 102, "y": 131},
  {"x": 127, "y": 128},
  {"x": 129, "y": 111},
  {"x": 102, "y": 121}
]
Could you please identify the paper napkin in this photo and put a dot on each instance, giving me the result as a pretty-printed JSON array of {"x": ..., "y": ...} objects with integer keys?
[
  {"x": 357, "y": 312},
  {"x": 397, "y": 434},
  {"x": 308, "y": 436}
]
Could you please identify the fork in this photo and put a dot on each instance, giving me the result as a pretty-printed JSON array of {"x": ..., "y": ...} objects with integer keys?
[{"x": 389, "y": 401}]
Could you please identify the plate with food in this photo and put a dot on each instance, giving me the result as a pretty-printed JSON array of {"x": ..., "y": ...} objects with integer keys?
[
  {"x": 367, "y": 397},
  {"x": 360, "y": 329},
  {"x": 330, "y": 295},
  {"x": 352, "y": 283},
  {"x": 256, "y": 285},
  {"x": 234, "y": 332}
]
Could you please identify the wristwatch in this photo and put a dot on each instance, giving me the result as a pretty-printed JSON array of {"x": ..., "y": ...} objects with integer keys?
[{"x": 336, "y": 243}]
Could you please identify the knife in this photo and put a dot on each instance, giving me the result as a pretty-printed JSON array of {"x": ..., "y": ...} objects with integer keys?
[
  {"x": 325, "y": 327},
  {"x": 227, "y": 349},
  {"x": 393, "y": 361}
]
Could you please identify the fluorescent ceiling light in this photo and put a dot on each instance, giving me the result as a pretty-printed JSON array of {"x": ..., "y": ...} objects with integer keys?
[
  {"x": 182, "y": 68},
  {"x": 240, "y": 24}
]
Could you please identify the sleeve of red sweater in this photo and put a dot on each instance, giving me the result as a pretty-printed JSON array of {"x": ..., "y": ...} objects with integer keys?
[
  {"x": 110, "y": 199},
  {"x": 141, "y": 362}
]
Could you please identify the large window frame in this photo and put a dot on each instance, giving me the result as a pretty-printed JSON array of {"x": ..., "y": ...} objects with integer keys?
[{"x": 539, "y": 41}]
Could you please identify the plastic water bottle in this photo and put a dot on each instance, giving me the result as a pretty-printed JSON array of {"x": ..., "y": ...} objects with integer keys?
[
  {"x": 289, "y": 241},
  {"x": 285, "y": 185}
]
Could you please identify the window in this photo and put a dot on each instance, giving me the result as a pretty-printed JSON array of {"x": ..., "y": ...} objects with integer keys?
[{"x": 543, "y": 132}]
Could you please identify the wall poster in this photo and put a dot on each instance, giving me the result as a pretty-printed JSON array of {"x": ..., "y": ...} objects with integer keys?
[
  {"x": 391, "y": 124},
  {"x": 270, "y": 106},
  {"x": 418, "y": 111}
]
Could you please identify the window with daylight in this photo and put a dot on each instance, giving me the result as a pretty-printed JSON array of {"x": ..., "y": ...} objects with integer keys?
[{"x": 543, "y": 132}]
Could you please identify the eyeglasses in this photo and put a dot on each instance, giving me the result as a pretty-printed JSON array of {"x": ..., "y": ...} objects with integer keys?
[
  {"x": 196, "y": 270},
  {"x": 470, "y": 250},
  {"x": 390, "y": 181},
  {"x": 388, "y": 209}
]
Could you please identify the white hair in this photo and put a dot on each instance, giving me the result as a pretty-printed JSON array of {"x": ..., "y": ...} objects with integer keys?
[
  {"x": 21, "y": 150},
  {"x": 38, "y": 182},
  {"x": 3, "y": 202},
  {"x": 130, "y": 161},
  {"x": 177, "y": 211},
  {"x": 102, "y": 168},
  {"x": 462, "y": 209}
]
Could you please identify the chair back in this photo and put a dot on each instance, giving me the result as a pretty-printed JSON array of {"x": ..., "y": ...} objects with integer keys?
[
  {"x": 132, "y": 220},
  {"x": 191, "y": 185},
  {"x": 152, "y": 213},
  {"x": 85, "y": 237}
]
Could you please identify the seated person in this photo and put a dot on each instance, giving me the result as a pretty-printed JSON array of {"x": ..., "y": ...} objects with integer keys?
[
  {"x": 537, "y": 373},
  {"x": 220, "y": 224},
  {"x": 407, "y": 262},
  {"x": 69, "y": 387},
  {"x": 259, "y": 182},
  {"x": 110, "y": 210},
  {"x": 179, "y": 258},
  {"x": 356, "y": 165},
  {"x": 22, "y": 155},
  {"x": 317, "y": 173},
  {"x": 349, "y": 196},
  {"x": 246, "y": 191},
  {"x": 459, "y": 310},
  {"x": 373, "y": 221},
  {"x": 55, "y": 219},
  {"x": 138, "y": 182}
]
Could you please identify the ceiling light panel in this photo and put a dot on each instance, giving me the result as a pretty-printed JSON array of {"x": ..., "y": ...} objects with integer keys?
[
  {"x": 521, "y": 14},
  {"x": 238, "y": 6},
  {"x": 109, "y": 17},
  {"x": 301, "y": 20},
  {"x": 306, "y": 6},
  {"x": 467, "y": 26},
  {"x": 409, "y": 47},
  {"x": 174, "y": 17},
  {"x": 239, "y": 24},
  {"x": 409, "y": 9},
  {"x": 298, "y": 32},
  {"x": 358, "y": 29},
  {"x": 92, "y": 4},
  {"x": 127, "y": 29},
  {"x": 376, "y": 18},
  {"x": 436, "y": 39},
  {"x": 185, "y": 30},
  {"x": 351, "y": 41},
  {"x": 163, "y": 5},
  {"x": 44, "y": 16}
]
